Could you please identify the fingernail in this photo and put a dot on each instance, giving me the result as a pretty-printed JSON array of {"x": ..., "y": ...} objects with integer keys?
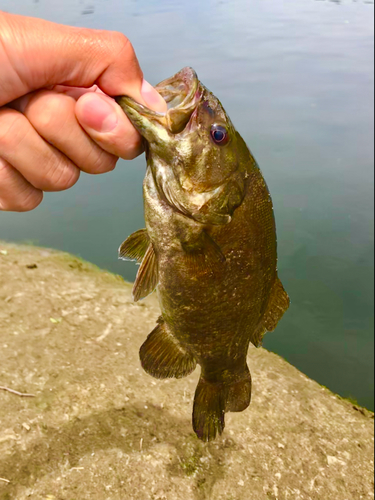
[
  {"x": 98, "y": 113},
  {"x": 152, "y": 97}
]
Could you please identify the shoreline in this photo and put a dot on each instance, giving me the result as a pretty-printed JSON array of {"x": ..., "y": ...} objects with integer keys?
[{"x": 99, "y": 427}]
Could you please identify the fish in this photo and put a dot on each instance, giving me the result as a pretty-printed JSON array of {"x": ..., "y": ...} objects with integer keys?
[{"x": 209, "y": 249}]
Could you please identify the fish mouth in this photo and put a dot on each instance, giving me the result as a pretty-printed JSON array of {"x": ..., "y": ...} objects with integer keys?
[{"x": 182, "y": 94}]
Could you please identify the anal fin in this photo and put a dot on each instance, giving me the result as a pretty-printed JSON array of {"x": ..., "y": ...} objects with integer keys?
[{"x": 162, "y": 356}]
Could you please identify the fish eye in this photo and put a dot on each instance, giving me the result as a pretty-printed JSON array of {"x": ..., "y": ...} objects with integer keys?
[{"x": 219, "y": 135}]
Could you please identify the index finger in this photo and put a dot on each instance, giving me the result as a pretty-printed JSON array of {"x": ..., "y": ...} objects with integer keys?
[{"x": 35, "y": 54}]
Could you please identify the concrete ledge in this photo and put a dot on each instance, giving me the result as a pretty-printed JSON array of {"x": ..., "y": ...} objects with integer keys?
[{"x": 99, "y": 428}]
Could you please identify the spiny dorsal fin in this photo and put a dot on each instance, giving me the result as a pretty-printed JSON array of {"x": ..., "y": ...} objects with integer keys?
[
  {"x": 135, "y": 246},
  {"x": 147, "y": 276},
  {"x": 162, "y": 355}
]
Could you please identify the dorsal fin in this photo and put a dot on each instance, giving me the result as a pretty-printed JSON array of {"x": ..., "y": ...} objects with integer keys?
[
  {"x": 257, "y": 337},
  {"x": 278, "y": 303}
]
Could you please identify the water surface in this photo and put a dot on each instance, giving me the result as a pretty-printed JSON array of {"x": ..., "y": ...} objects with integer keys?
[{"x": 296, "y": 78}]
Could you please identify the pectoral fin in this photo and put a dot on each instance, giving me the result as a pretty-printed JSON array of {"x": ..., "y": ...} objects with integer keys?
[
  {"x": 135, "y": 247},
  {"x": 277, "y": 305},
  {"x": 204, "y": 253},
  {"x": 147, "y": 276}
]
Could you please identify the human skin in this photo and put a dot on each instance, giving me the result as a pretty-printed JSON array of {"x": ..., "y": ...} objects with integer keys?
[{"x": 56, "y": 118}]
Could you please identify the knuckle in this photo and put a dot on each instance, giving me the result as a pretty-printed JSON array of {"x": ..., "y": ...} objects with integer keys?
[
  {"x": 47, "y": 111},
  {"x": 65, "y": 177},
  {"x": 124, "y": 143},
  {"x": 11, "y": 126},
  {"x": 101, "y": 163},
  {"x": 133, "y": 149},
  {"x": 60, "y": 175},
  {"x": 16, "y": 195},
  {"x": 131, "y": 155},
  {"x": 4, "y": 168},
  {"x": 128, "y": 151},
  {"x": 29, "y": 201},
  {"x": 121, "y": 43}
]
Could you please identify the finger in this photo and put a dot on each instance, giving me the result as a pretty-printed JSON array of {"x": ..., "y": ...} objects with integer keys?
[
  {"x": 103, "y": 119},
  {"x": 52, "y": 115},
  {"x": 39, "y": 163},
  {"x": 16, "y": 194},
  {"x": 67, "y": 56},
  {"x": 75, "y": 92}
]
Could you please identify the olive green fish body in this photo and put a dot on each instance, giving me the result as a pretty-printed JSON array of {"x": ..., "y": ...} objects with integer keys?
[
  {"x": 209, "y": 248},
  {"x": 211, "y": 308}
]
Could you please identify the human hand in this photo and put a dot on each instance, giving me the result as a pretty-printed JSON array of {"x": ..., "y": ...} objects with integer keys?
[{"x": 55, "y": 117}]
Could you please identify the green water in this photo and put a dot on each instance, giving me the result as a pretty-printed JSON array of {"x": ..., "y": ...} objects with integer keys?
[{"x": 296, "y": 77}]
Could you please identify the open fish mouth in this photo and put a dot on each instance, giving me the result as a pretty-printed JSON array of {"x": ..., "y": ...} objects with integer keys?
[{"x": 182, "y": 94}]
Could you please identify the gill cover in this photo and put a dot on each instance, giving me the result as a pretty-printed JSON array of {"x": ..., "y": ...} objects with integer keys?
[{"x": 192, "y": 149}]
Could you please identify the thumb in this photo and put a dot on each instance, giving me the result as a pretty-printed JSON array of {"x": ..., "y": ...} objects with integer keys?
[{"x": 106, "y": 123}]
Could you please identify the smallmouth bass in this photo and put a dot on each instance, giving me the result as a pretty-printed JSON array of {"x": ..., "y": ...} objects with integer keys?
[{"x": 209, "y": 248}]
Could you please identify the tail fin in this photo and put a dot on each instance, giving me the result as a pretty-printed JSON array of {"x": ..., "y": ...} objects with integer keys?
[
  {"x": 212, "y": 401},
  {"x": 209, "y": 409}
]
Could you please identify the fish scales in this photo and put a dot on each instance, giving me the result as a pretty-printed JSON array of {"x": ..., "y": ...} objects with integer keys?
[{"x": 209, "y": 249}]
